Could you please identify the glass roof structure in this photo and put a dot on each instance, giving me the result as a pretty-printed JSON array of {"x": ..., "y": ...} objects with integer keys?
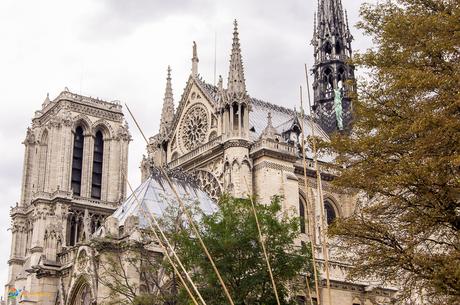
[{"x": 155, "y": 195}]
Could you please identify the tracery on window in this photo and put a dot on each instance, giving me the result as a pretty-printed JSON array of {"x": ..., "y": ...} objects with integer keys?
[
  {"x": 208, "y": 183},
  {"x": 76, "y": 225},
  {"x": 195, "y": 127}
]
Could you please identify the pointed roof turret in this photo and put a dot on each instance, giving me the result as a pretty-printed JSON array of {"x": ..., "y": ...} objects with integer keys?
[
  {"x": 46, "y": 101},
  {"x": 236, "y": 81},
  {"x": 167, "y": 113},
  {"x": 195, "y": 60},
  {"x": 331, "y": 19}
]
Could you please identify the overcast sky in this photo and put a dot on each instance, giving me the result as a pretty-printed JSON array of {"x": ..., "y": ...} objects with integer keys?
[{"x": 120, "y": 49}]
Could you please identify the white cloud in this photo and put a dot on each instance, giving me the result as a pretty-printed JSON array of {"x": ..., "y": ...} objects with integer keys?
[{"x": 117, "y": 49}]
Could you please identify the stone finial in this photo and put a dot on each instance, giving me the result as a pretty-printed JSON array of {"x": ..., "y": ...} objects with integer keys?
[
  {"x": 46, "y": 101},
  {"x": 220, "y": 83},
  {"x": 111, "y": 226},
  {"x": 167, "y": 113},
  {"x": 269, "y": 132},
  {"x": 236, "y": 81},
  {"x": 195, "y": 60}
]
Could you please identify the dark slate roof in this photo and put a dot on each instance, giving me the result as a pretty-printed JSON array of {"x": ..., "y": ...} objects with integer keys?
[
  {"x": 282, "y": 119},
  {"x": 210, "y": 89}
]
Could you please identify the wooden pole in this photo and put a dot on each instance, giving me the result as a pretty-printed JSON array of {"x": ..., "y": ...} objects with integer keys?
[
  {"x": 165, "y": 250},
  {"x": 308, "y": 206},
  {"x": 321, "y": 199},
  {"x": 198, "y": 235},
  {"x": 262, "y": 243}
]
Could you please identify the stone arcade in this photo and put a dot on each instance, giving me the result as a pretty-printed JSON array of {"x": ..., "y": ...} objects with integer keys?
[{"x": 76, "y": 160}]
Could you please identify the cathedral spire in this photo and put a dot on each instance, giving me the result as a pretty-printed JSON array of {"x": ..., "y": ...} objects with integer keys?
[
  {"x": 236, "y": 81},
  {"x": 167, "y": 113},
  {"x": 195, "y": 60},
  {"x": 334, "y": 75}
]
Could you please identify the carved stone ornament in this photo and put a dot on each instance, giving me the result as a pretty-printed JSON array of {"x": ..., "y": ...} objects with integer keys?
[
  {"x": 30, "y": 137},
  {"x": 123, "y": 133},
  {"x": 194, "y": 127},
  {"x": 208, "y": 183}
]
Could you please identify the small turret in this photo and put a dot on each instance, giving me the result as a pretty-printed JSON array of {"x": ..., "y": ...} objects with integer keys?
[{"x": 270, "y": 132}]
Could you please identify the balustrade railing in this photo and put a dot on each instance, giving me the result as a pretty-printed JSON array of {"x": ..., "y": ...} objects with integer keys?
[
  {"x": 67, "y": 256},
  {"x": 273, "y": 145},
  {"x": 198, "y": 151}
]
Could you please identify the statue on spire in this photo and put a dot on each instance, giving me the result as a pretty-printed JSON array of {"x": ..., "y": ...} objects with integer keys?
[
  {"x": 334, "y": 75},
  {"x": 195, "y": 60}
]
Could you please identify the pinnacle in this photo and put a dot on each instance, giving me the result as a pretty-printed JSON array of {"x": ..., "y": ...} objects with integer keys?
[{"x": 236, "y": 82}]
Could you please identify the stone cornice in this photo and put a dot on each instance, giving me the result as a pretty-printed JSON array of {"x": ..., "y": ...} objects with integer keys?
[
  {"x": 16, "y": 261},
  {"x": 267, "y": 152},
  {"x": 273, "y": 165},
  {"x": 73, "y": 102},
  {"x": 237, "y": 143}
]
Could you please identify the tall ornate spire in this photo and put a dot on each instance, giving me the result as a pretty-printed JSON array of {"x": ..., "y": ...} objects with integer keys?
[
  {"x": 334, "y": 75},
  {"x": 167, "y": 113},
  {"x": 236, "y": 81},
  {"x": 195, "y": 60}
]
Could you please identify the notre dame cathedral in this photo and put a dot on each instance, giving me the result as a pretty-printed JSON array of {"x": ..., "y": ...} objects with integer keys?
[{"x": 75, "y": 165}]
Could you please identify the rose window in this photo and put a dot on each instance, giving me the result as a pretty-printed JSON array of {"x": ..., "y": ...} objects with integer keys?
[{"x": 195, "y": 128}]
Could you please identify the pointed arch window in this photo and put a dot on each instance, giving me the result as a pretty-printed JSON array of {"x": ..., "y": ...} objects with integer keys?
[
  {"x": 331, "y": 214},
  {"x": 302, "y": 216},
  {"x": 98, "y": 156},
  {"x": 77, "y": 162},
  {"x": 42, "y": 162}
]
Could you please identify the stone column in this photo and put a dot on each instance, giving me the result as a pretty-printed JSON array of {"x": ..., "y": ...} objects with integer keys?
[
  {"x": 239, "y": 120},
  {"x": 87, "y": 165},
  {"x": 232, "y": 115}
]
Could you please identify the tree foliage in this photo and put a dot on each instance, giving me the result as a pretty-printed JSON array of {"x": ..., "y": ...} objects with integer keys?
[
  {"x": 402, "y": 155},
  {"x": 133, "y": 273},
  {"x": 232, "y": 239}
]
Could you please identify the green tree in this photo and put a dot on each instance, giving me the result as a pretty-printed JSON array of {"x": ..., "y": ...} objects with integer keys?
[
  {"x": 232, "y": 239},
  {"x": 133, "y": 273},
  {"x": 402, "y": 155}
]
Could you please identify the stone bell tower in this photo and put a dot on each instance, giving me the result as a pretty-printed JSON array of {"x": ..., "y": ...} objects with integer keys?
[
  {"x": 76, "y": 153},
  {"x": 334, "y": 80},
  {"x": 234, "y": 108}
]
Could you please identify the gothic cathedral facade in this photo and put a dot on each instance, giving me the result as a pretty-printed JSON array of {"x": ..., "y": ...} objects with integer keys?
[{"x": 75, "y": 166}]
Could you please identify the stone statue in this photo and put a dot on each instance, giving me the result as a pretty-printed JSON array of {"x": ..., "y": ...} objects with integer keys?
[
  {"x": 87, "y": 225},
  {"x": 338, "y": 107}
]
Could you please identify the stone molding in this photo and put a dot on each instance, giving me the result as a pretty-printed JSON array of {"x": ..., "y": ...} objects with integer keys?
[{"x": 272, "y": 165}]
